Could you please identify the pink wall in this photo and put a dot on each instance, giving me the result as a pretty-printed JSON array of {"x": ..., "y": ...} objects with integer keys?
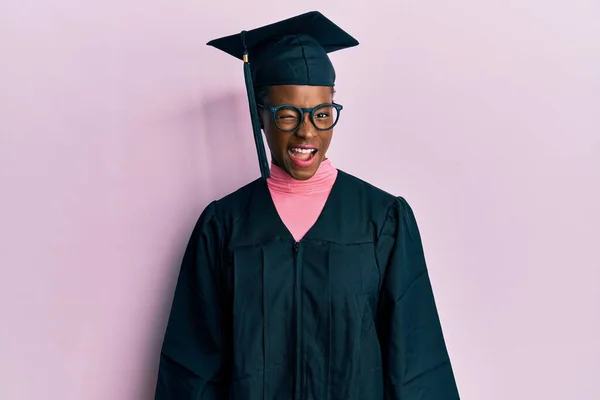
[{"x": 118, "y": 125}]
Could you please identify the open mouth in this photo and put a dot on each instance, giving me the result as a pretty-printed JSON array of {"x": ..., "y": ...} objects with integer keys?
[{"x": 302, "y": 156}]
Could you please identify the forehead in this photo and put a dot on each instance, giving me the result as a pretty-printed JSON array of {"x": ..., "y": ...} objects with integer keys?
[{"x": 300, "y": 95}]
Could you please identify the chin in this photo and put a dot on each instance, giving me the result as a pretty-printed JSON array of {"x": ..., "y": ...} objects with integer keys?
[{"x": 303, "y": 174}]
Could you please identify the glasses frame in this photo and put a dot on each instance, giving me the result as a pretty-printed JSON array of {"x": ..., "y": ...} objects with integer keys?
[{"x": 302, "y": 111}]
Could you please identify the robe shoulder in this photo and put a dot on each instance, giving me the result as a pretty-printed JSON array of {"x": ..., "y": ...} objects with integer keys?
[
  {"x": 376, "y": 199},
  {"x": 367, "y": 208},
  {"x": 237, "y": 204}
]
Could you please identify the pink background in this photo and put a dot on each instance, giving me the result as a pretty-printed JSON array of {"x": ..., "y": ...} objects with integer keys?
[{"x": 118, "y": 125}]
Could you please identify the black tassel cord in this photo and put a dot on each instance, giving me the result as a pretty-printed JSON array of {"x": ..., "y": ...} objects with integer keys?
[{"x": 258, "y": 140}]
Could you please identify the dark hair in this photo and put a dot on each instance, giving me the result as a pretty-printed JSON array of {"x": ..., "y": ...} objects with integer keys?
[{"x": 261, "y": 93}]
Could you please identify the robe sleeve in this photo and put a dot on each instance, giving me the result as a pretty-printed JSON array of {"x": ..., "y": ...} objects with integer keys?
[
  {"x": 192, "y": 363},
  {"x": 416, "y": 364}
]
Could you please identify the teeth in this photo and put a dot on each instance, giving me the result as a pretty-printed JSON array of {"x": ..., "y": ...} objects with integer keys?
[{"x": 305, "y": 151}]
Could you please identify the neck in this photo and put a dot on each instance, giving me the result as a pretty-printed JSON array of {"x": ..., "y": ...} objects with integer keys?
[{"x": 322, "y": 180}]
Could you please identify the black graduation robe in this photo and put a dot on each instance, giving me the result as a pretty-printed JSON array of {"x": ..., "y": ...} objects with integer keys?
[{"x": 347, "y": 313}]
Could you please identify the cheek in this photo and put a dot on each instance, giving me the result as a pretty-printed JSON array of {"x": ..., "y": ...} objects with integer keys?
[
  {"x": 276, "y": 139},
  {"x": 326, "y": 139}
]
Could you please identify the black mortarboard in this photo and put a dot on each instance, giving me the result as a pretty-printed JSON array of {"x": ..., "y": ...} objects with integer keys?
[{"x": 289, "y": 52}]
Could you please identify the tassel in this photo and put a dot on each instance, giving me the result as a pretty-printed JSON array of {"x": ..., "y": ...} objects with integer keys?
[{"x": 258, "y": 140}]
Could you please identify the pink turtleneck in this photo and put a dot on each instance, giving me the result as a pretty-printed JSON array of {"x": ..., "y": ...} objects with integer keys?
[{"x": 299, "y": 203}]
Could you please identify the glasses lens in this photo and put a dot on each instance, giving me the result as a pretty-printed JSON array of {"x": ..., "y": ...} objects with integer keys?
[
  {"x": 287, "y": 118},
  {"x": 325, "y": 117}
]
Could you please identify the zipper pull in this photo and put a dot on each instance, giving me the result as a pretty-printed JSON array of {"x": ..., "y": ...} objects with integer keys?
[{"x": 296, "y": 246}]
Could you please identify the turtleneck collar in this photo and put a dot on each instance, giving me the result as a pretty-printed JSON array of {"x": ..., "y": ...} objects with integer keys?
[{"x": 321, "y": 181}]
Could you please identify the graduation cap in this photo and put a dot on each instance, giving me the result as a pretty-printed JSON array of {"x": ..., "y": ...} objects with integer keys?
[{"x": 289, "y": 52}]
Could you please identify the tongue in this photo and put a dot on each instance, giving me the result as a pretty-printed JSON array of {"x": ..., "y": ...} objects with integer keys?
[{"x": 301, "y": 156}]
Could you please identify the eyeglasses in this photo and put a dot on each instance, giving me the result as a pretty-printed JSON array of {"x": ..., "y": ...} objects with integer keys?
[{"x": 288, "y": 117}]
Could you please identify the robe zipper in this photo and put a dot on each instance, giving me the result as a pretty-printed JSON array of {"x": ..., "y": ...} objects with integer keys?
[{"x": 298, "y": 265}]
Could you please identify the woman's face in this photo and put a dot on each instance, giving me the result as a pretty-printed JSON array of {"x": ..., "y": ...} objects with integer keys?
[{"x": 300, "y": 152}]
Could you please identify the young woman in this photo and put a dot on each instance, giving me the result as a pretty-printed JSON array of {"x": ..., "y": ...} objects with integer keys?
[{"x": 307, "y": 283}]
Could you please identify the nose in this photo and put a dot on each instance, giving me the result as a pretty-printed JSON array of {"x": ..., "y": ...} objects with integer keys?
[{"x": 306, "y": 130}]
